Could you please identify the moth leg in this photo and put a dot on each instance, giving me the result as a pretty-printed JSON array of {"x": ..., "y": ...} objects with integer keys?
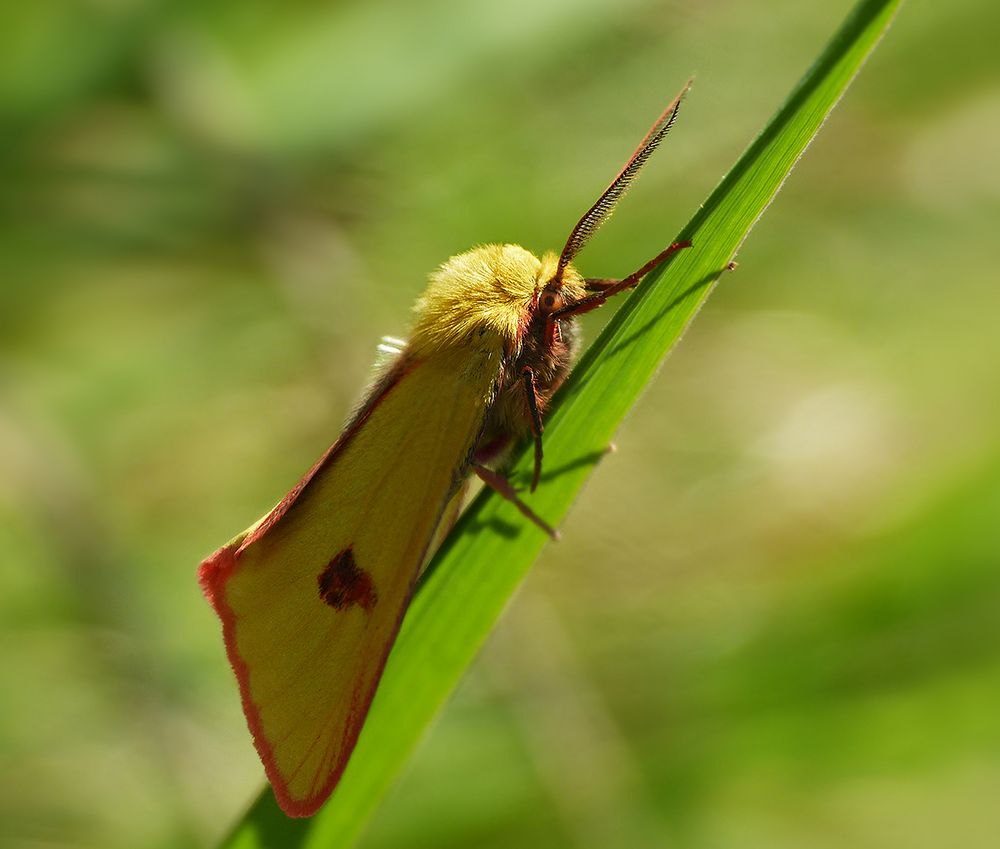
[
  {"x": 606, "y": 288},
  {"x": 536, "y": 422},
  {"x": 501, "y": 486}
]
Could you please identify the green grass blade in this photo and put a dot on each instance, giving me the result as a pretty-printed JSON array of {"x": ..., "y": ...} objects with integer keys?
[{"x": 492, "y": 548}]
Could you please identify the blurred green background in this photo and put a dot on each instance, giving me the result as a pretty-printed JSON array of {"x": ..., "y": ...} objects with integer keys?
[{"x": 774, "y": 617}]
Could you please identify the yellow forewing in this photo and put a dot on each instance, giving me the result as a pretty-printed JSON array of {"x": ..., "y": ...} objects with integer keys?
[{"x": 312, "y": 596}]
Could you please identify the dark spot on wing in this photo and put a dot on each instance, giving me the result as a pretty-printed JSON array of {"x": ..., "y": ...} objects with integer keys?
[{"x": 342, "y": 584}]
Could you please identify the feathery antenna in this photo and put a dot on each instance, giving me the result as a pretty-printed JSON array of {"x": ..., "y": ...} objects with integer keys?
[{"x": 594, "y": 217}]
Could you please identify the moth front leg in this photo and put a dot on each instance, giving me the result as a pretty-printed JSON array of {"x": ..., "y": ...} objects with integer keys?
[{"x": 535, "y": 421}]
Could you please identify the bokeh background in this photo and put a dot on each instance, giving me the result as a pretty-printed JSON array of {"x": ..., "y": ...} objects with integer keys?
[{"x": 774, "y": 618}]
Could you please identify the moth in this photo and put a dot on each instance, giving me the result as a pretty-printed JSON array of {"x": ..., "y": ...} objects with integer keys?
[{"x": 311, "y": 596}]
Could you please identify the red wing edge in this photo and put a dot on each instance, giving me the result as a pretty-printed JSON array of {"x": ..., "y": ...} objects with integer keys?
[{"x": 214, "y": 573}]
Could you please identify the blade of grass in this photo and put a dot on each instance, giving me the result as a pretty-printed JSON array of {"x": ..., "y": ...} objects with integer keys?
[{"x": 491, "y": 549}]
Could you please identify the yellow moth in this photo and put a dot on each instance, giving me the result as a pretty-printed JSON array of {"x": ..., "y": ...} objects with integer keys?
[{"x": 311, "y": 596}]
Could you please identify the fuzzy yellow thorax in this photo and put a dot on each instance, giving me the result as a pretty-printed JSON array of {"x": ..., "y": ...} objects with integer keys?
[{"x": 485, "y": 292}]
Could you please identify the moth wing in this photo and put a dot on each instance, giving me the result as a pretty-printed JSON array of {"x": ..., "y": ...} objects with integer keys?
[{"x": 312, "y": 596}]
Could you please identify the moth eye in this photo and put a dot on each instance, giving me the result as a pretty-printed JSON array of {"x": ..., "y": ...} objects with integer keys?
[{"x": 551, "y": 301}]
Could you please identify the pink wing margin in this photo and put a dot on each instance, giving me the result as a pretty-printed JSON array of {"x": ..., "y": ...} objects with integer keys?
[{"x": 214, "y": 573}]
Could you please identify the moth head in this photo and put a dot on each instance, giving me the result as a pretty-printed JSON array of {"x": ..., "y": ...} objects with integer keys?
[{"x": 556, "y": 287}]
